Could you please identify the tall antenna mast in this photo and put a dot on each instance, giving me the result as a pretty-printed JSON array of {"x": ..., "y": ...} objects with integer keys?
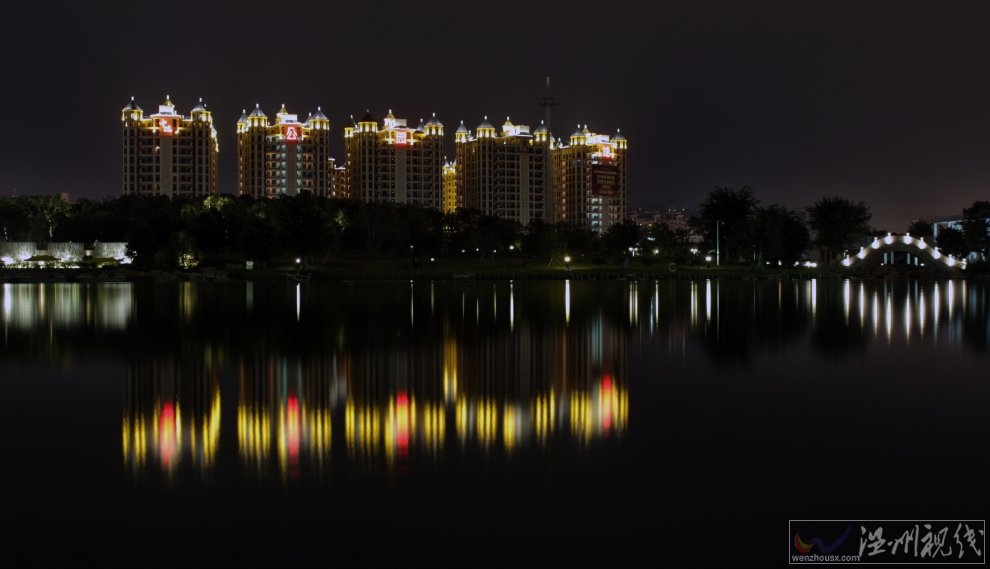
[
  {"x": 547, "y": 102},
  {"x": 550, "y": 200}
]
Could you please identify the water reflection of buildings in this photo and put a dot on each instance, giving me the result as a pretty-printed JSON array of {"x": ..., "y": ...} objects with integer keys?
[
  {"x": 284, "y": 409},
  {"x": 492, "y": 383},
  {"x": 290, "y": 411},
  {"x": 171, "y": 415}
]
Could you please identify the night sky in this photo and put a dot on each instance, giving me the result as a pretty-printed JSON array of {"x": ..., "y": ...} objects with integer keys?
[{"x": 887, "y": 102}]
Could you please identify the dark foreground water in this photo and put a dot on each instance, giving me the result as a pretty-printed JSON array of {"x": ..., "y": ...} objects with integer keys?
[{"x": 520, "y": 424}]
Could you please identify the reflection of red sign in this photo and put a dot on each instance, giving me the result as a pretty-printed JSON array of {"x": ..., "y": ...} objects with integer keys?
[
  {"x": 167, "y": 434},
  {"x": 291, "y": 135},
  {"x": 400, "y": 137},
  {"x": 167, "y": 126},
  {"x": 604, "y": 179},
  {"x": 293, "y": 433},
  {"x": 402, "y": 423},
  {"x": 606, "y": 398}
]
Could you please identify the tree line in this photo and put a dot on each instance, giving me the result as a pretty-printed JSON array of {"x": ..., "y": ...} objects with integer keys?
[{"x": 169, "y": 232}]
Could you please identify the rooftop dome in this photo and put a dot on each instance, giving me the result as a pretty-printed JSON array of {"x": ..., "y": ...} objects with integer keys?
[
  {"x": 462, "y": 129},
  {"x": 541, "y": 128},
  {"x": 618, "y": 135},
  {"x": 367, "y": 117},
  {"x": 199, "y": 106},
  {"x": 243, "y": 118},
  {"x": 485, "y": 123},
  {"x": 132, "y": 106},
  {"x": 433, "y": 121},
  {"x": 257, "y": 112},
  {"x": 319, "y": 114}
]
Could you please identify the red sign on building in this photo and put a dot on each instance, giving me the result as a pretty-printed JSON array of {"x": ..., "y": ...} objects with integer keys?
[
  {"x": 604, "y": 179},
  {"x": 166, "y": 126}
]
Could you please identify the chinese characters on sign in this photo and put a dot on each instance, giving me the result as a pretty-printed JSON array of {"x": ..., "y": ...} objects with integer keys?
[
  {"x": 604, "y": 179},
  {"x": 166, "y": 126},
  {"x": 960, "y": 542}
]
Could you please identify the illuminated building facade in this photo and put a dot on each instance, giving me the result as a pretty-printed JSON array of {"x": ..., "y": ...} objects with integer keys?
[
  {"x": 451, "y": 199},
  {"x": 285, "y": 157},
  {"x": 169, "y": 154},
  {"x": 589, "y": 180},
  {"x": 394, "y": 163},
  {"x": 503, "y": 173},
  {"x": 336, "y": 178}
]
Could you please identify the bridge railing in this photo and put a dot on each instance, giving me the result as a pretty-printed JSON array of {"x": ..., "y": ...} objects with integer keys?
[{"x": 880, "y": 245}]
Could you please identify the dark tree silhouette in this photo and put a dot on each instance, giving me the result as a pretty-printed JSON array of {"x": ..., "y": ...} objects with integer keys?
[
  {"x": 732, "y": 209},
  {"x": 839, "y": 224}
]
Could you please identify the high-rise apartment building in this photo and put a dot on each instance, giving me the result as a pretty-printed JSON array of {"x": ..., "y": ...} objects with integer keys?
[
  {"x": 589, "y": 180},
  {"x": 167, "y": 153},
  {"x": 394, "y": 163},
  {"x": 503, "y": 173},
  {"x": 285, "y": 157},
  {"x": 450, "y": 200}
]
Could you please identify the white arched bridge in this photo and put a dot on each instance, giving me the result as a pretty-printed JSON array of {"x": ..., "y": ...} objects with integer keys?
[{"x": 917, "y": 253}]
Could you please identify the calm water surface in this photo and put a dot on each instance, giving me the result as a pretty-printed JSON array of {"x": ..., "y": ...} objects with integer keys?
[{"x": 515, "y": 423}]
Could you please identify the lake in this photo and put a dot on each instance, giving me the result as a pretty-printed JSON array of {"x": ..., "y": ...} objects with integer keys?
[{"x": 520, "y": 423}]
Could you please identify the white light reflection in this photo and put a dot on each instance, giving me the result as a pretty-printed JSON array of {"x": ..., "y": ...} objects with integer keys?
[
  {"x": 814, "y": 297},
  {"x": 298, "y": 305},
  {"x": 656, "y": 304},
  {"x": 8, "y": 302},
  {"x": 951, "y": 298},
  {"x": 846, "y": 298},
  {"x": 921, "y": 313},
  {"x": 708, "y": 299},
  {"x": 567, "y": 301},
  {"x": 633, "y": 303},
  {"x": 936, "y": 307},
  {"x": 694, "y": 304},
  {"x": 862, "y": 305}
]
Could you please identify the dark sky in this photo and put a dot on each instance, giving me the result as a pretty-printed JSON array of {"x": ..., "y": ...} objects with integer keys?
[{"x": 887, "y": 102}]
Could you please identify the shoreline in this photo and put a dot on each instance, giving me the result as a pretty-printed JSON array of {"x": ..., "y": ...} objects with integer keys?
[{"x": 463, "y": 274}]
